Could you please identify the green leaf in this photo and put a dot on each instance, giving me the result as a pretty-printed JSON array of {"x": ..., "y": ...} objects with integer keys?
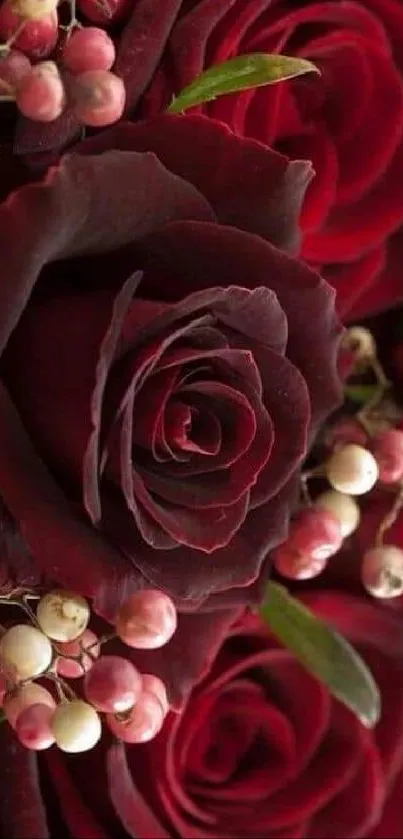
[
  {"x": 240, "y": 73},
  {"x": 360, "y": 393},
  {"x": 323, "y": 652}
]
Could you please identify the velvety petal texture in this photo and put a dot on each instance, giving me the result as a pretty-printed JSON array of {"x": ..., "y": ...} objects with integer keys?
[
  {"x": 348, "y": 121},
  {"x": 160, "y": 380}
]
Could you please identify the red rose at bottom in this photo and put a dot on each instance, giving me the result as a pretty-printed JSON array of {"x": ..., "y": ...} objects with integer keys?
[{"x": 261, "y": 750}]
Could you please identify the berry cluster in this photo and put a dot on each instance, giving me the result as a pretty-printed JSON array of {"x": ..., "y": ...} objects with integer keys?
[
  {"x": 364, "y": 451},
  {"x": 57, "y": 645},
  {"x": 79, "y": 77}
]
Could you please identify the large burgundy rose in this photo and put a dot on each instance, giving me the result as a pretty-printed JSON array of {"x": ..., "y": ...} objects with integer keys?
[
  {"x": 161, "y": 378},
  {"x": 260, "y": 750},
  {"x": 348, "y": 121}
]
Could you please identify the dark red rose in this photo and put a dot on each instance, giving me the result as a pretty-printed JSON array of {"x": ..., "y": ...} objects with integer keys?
[
  {"x": 260, "y": 750},
  {"x": 348, "y": 121},
  {"x": 161, "y": 377}
]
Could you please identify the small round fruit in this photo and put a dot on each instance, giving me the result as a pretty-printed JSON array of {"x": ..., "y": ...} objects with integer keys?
[
  {"x": 352, "y": 470},
  {"x": 382, "y": 571},
  {"x": 152, "y": 684},
  {"x": 142, "y": 723},
  {"x": 72, "y": 668},
  {"x": 387, "y": 448},
  {"x": 295, "y": 565},
  {"x": 14, "y": 66},
  {"x": 147, "y": 620},
  {"x": 40, "y": 95},
  {"x": 361, "y": 342},
  {"x": 343, "y": 432},
  {"x": 25, "y": 696},
  {"x": 113, "y": 684},
  {"x": 62, "y": 615},
  {"x": 36, "y": 39},
  {"x": 76, "y": 726},
  {"x": 27, "y": 650},
  {"x": 33, "y": 727},
  {"x": 33, "y": 9},
  {"x": 343, "y": 507},
  {"x": 97, "y": 98},
  {"x": 87, "y": 49}
]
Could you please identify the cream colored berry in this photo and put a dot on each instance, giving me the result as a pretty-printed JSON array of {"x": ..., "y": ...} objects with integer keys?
[
  {"x": 76, "y": 726},
  {"x": 361, "y": 342},
  {"x": 382, "y": 571},
  {"x": 27, "y": 650},
  {"x": 352, "y": 470},
  {"x": 62, "y": 615},
  {"x": 33, "y": 9},
  {"x": 344, "y": 508}
]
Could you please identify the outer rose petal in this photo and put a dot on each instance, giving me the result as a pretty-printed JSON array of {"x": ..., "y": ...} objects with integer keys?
[
  {"x": 22, "y": 809},
  {"x": 267, "y": 203},
  {"x": 70, "y": 213}
]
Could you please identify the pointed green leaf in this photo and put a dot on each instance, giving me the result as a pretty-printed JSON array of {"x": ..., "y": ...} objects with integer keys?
[
  {"x": 240, "y": 73},
  {"x": 323, "y": 652},
  {"x": 361, "y": 394}
]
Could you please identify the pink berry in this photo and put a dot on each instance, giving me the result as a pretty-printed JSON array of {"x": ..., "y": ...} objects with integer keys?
[
  {"x": 113, "y": 684},
  {"x": 152, "y": 684},
  {"x": 41, "y": 95},
  {"x": 147, "y": 620},
  {"x": 104, "y": 11},
  {"x": 88, "y": 49},
  {"x": 315, "y": 535},
  {"x": 29, "y": 694},
  {"x": 142, "y": 723},
  {"x": 387, "y": 448},
  {"x": 345, "y": 431},
  {"x": 32, "y": 9},
  {"x": 33, "y": 727},
  {"x": 14, "y": 66},
  {"x": 37, "y": 38},
  {"x": 295, "y": 565},
  {"x": 316, "y": 531},
  {"x": 98, "y": 98},
  {"x": 69, "y": 668}
]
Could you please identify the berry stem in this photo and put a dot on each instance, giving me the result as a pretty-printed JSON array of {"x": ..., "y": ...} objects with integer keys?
[{"x": 382, "y": 385}]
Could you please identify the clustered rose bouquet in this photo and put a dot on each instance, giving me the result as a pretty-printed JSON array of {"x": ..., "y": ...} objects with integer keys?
[{"x": 201, "y": 419}]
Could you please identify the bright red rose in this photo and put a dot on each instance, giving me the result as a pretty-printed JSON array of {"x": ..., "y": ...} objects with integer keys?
[
  {"x": 348, "y": 121},
  {"x": 260, "y": 750},
  {"x": 161, "y": 377}
]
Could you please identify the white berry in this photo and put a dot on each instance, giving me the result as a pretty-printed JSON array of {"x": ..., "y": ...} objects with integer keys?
[
  {"x": 33, "y": 9},
  {"x": 361, "y": 342},
  {"x": 382, "y": 571},
  {"x": 62, "y": 616},
  {"x": 344, "y": 508},
  {"x": 352, "y": 470},
  {"x": 76, "y": 726},
  {"x": 27, "y": 650}
]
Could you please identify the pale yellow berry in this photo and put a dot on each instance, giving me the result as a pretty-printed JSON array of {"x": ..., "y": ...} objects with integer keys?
[
  {"x": 344, "y": 508},
  {"x": 62, "y": 615},
  {"x": 76, "y": 726},
  {"x": 27, "y": 650},
  {"x": 33, "y": 9},
  {"x": 352, "y": 470},
  {"x": 382, "y": 571},
  {"x": 361, "y": 342}
]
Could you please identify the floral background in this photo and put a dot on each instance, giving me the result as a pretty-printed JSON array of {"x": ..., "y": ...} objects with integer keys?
[{"x": 161, "y": 387}]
